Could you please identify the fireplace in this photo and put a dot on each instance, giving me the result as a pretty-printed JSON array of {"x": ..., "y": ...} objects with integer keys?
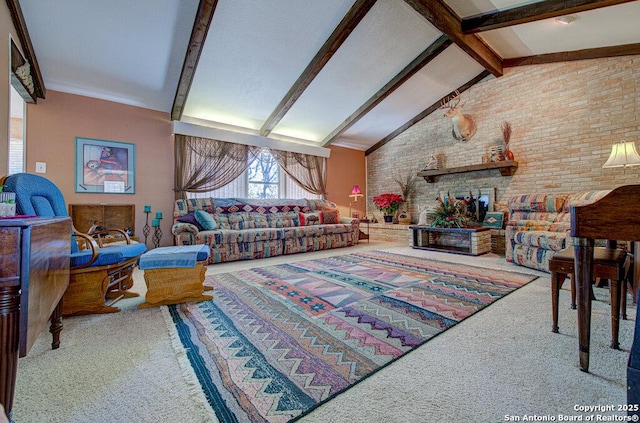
[{"x": 479, "y": 201}]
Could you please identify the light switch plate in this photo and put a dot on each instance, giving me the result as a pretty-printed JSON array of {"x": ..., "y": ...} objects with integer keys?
[{"x": 41, "y": 167}]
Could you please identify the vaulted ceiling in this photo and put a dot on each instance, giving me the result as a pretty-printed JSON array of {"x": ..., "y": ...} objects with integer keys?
[{"x": 343, "y": 72}]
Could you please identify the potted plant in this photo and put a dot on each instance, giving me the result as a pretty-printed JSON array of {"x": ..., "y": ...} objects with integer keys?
[
  {"x": 388, "y": 204},
  {"x": 407, "y": 186},
  {"x": 7, "y": 203},
  {"x": 449, "y": 213}
]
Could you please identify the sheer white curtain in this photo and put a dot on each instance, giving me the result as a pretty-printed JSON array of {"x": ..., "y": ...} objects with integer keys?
[{"x": 238, "y": 188}]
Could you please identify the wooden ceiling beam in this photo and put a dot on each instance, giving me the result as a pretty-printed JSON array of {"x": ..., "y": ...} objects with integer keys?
[
  {"x": 353, "y": 17},
  {"x": 425, "y": 113},
  {"x": 201, "y": 25},
  {"x": 411, "y": 69},
  {"x": 446, "y": 21},
  {"x": 530, "y": 13},
  {"x": 566, "y": 56},
  {"x": 25, "y": 41}
]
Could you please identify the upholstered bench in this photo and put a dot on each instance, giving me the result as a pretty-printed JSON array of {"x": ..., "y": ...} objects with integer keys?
[{"x": 175, "y": 275}]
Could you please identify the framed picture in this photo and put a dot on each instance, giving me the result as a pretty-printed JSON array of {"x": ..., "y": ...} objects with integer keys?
[
  {"x": 355, "y": 215},
  {"x": 105, "y": 166}
]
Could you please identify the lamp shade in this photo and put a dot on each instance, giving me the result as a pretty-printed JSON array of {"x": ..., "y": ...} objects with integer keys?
[
  {"x": 623, "y": 154},
  {"x": 355, "y": 191}
]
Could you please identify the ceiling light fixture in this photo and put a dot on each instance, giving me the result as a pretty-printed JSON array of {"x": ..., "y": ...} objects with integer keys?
[{"x": 566, "y": 20}]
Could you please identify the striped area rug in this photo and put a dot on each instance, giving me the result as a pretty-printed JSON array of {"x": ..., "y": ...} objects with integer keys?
[{"x": 277, "y": 341}]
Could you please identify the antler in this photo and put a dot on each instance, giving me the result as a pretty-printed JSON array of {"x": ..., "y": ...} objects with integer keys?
[{"x": 446, "y": 102}]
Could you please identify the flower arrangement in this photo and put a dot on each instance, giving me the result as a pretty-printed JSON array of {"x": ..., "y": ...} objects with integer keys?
[
  {"x": 449, "y": 213},
  {"x": 388, "y": 204},
  {"x": 407, "y": 186}
]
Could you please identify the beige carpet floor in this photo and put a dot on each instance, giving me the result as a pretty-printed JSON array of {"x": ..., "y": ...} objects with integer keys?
[{"x": 503, "y": 361}]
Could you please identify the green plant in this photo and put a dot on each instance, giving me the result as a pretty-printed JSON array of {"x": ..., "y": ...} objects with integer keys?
[
  {"x": 449, "y": 213},
  {"x": 407, "y": 186}
]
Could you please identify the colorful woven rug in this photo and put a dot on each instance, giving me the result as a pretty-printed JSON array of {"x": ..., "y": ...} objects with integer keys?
[{"x": 277, "y": 341}]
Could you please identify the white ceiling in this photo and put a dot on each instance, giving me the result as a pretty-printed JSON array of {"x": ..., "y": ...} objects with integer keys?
[{"x": 132, "y": 52}]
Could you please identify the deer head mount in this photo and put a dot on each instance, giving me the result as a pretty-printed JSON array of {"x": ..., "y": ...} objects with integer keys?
[{"x": 464, "y": 126}]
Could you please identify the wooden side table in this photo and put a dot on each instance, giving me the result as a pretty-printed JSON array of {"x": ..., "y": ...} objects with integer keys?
[{"x": 363, "y": 235}]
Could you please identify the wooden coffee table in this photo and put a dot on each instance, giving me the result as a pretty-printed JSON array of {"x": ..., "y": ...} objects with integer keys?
[{"x": 469, "y": 241}]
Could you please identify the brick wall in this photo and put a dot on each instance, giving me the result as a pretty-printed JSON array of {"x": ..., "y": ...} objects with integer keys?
[{"x": 565, "y": 116}]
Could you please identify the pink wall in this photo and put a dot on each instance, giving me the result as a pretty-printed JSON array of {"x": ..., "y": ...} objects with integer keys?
[
  {"x": 346, "y": 168},
  {"x": 54, "y": 123}
]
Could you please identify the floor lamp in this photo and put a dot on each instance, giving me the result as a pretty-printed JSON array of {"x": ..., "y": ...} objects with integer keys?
[{"x": 355, "y": 193}]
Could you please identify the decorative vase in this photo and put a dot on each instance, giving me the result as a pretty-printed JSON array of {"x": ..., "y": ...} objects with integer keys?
[
  {"x": 404, "y": 218},
  {"x": 508, "y": 154},
  {"x": 388, "y": 219}
]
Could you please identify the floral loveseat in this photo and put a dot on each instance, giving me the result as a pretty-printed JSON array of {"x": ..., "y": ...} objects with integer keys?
[
  {"x": 249, "y": 228},
  {"x": 539, "y": 226}
]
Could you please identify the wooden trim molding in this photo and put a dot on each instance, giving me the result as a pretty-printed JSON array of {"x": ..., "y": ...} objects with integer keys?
[
  {"x": 425, "y": 113},
  {"x": 25, "y": 41},
  {"x": 506, "y": 168},
  {"x": 530, "y": 13},
  {"x": 566, "y": 56},
  {"x": 353, "y": 17},
  {"x": 446, "y": 21},
  {"x": 411, "y": 69},
  {"x": 201, "y": 25}
]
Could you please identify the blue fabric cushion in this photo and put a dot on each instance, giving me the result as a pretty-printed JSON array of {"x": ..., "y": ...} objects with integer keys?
[
  {"x": 108, "y": 255},
  {"x": 172, "y": 257},
  {"x": 37, "y": 195},
  {"x": 190, "y": 218},
  {"x": 206, "y": 220}
]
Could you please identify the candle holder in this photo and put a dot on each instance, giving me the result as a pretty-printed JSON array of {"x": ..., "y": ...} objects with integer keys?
[
  {"x": 157, "y": 233},
  {"x": 147, "y": 229}
]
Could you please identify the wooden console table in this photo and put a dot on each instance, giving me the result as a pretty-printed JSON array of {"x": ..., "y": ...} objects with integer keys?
[
  {"x": 469, "y": 241},
  {"x": 34, "y": 274}
]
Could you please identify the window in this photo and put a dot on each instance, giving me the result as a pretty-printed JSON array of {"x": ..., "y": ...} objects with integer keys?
[
  {"x": 16, "y": 130},
  {"x": 263, "y": 179}
]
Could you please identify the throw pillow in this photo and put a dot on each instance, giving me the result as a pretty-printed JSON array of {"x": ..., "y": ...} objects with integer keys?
[
  {"x": 206, "y": 220},
  {"x": 190, "y": 218},
  {"x": 493, "y": 220},
  {"x": 331, "y": 216},
  {"x": 310, "y": 219}
]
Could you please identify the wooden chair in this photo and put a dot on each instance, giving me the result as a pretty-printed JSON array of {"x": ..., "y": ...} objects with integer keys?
[
  {"x": 608, "y": 263},
  {"x": 97, "y": 274}
]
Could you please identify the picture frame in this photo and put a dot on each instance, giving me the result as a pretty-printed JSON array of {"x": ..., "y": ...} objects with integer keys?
[{"x": 105, "y": 167}]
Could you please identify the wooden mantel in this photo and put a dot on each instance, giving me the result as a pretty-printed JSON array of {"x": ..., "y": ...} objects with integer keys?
[{"x": 506, "y": 168}]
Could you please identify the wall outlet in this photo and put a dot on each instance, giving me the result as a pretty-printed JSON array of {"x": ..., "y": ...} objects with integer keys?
[{"x": 41, "y": 167}]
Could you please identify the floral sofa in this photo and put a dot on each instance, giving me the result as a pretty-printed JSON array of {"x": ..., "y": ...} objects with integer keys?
[
  {"x": 243, "y": 229},
  {"x": 539, "y": 226}
]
